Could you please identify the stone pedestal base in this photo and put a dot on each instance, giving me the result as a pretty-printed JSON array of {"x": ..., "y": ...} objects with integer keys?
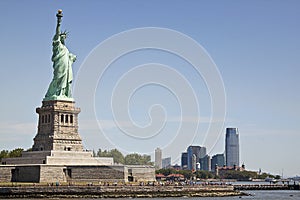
[{"x": 57, "y": 127}]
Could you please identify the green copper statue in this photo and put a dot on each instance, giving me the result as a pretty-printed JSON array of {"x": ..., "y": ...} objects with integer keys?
[{"x": 60, "y": 86}]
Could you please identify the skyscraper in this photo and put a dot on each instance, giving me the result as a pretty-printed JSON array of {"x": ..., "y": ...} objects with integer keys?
[
  {"x": 232, "y": 147},
  {"x": 184, "y": 160},
  {"x": 218, "y": 160},
  {"x": 158, "y": 158},
  {"x": 198, "y": 151},
  {"x": 205, "y": 163},
  {"x": 166, "y": 162}
]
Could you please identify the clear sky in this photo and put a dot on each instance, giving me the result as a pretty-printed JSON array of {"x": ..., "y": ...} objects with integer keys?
[{"x": 255, "y": 46}]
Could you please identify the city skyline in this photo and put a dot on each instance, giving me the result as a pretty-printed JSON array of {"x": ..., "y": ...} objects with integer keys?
[
  {"x": 254, "y": 44},
  {"x": 196, "y": 158}
]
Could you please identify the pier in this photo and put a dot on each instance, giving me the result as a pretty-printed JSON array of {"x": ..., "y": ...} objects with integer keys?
[{"x": 266, "y": 187}]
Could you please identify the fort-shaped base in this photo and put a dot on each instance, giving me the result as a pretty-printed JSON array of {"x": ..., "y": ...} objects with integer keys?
[{"x": 58, "y": 158}]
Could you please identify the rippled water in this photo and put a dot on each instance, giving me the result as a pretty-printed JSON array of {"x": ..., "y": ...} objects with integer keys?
[{"x": 255, "y": 195}]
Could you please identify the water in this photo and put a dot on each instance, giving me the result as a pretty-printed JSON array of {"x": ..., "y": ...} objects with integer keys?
[
  {"x": 274, "y": 194},
  {"x": 255, "y": 195}
]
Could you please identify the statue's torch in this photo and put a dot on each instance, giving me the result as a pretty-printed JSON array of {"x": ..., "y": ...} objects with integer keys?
[{"x": 59, "y": 15}]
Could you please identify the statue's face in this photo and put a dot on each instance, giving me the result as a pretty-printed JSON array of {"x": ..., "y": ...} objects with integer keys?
[{"x": 63, "y": 38}]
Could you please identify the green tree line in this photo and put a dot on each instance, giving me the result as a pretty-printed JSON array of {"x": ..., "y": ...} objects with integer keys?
[
  {"x": 130, "y": 159},
  {"x": 11, "y": 154},
  {"x": 230, "y": 174}
]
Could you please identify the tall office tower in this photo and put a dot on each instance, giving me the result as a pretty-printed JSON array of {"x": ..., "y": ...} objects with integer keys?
[
  {"x": 158, "y": 158},
  {"x": 218, "y": 160},
  {"x": 198, "y": 151},
  {"x": 202, "y": 152},
  {"x": 166, "y": 162},
  {"x": 232, "y": 147},
  {"x": 184, "y": 160},
  {"x": 205, "y": 163}
]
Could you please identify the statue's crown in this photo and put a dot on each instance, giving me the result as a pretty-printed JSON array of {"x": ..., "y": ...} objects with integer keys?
[{"x": 64, "y": 33}]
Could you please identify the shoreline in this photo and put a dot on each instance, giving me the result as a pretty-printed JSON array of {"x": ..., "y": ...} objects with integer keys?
[{"x": 116, "y": 191}]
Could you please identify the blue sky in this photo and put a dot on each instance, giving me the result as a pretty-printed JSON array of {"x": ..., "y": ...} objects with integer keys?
[{"x": 254, "y": 44}]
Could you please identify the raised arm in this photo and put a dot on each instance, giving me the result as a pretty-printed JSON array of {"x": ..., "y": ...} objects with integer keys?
[{"x": 59, "y": 15}]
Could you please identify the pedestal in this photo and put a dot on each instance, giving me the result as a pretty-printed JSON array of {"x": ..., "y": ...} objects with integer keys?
[{"x": 57, "y": 127}]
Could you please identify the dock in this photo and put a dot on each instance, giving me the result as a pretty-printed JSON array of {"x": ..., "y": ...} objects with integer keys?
[{"x": 267, "y": 187}]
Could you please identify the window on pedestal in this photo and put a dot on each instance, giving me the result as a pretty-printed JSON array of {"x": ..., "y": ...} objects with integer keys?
[
  {"x": 71, "y": 119},
  {"x": 69, "y": 173},
  {"x": 67, "y": 119},
  {"x": 67, "y": 148},
  {"x": 49, "y": 118},
  {"x": 62, "y": 118}
]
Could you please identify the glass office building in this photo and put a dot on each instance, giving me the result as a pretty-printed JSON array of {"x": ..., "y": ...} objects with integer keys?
[
  {"x": 232, "y": 147},
  {"x": 199, "y": 153},
  {"x": 217, "y": 160}
]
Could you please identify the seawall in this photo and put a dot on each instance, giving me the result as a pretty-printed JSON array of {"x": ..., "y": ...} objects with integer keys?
[
  {"x": 266, "y": 187},
  {"x": 116, "y": 191}
]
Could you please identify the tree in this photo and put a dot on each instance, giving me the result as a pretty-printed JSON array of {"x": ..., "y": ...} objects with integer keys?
[
  {"x": 146, "y": 160},
  {"x": 16, "y": 153},
  {"x": 104, "y": 153},
  {"x": 4, "y": 154},
  {"x": 166, "y": 172},
  {"x": 239, "y": 175},
  {"x": 130, "y": 159},
  {"x": 116, "y": 154},
  {"x": 277, "y": 177},
  {"x": 137, "y": 159},
  {"x": 186, "y": 173},
  {"x": 11, "y": 154},
  {"x": 263, "y": 175},
  {"x": 204, "y": 174}
]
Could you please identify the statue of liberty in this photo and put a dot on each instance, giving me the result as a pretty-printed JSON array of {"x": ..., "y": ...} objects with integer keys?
[{"x": 60, "y": 86}]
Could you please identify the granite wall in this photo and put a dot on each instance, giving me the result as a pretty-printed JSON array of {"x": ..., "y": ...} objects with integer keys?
[
  {"x": 30, "y": 173},
  {"x": 75, "y": 173},
  {"x": 96, "y": 173},
  {"x": 140, "y": 173},
  {"x": 5, "y": 173},
  {"x": 52, "y": 174}
]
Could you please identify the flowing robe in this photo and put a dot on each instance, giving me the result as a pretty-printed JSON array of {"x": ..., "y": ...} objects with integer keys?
[{"x": 60, "y": 86}]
